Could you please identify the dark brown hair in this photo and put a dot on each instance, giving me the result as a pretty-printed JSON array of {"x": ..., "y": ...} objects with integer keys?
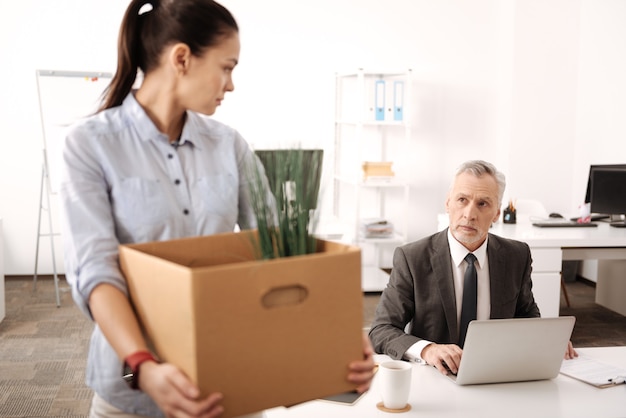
[{"x": 151, "y": 25}]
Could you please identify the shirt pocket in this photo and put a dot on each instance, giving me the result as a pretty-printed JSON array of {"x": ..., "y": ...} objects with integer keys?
[
  {"x": 218, "y": 194},
  {"x": 139, "y": 201}
]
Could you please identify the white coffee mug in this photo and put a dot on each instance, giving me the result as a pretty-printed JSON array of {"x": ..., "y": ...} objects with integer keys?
[{"x": 395, "y": 383}]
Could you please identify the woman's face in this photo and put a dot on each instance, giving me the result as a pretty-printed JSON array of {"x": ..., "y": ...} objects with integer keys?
[{"x": 209, "y": 76}]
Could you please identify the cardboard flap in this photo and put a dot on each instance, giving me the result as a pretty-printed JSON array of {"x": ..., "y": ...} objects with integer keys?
[{"x": 204, "y": 251}]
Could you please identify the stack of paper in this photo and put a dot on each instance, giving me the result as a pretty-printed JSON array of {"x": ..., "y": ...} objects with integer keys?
[
  {"x": 376, "y": 228},
  {"x": 592, "y": 371}
]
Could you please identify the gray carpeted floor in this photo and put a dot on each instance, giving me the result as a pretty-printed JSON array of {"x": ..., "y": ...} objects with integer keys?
[
  {"x": 43, "y": 348},
  {"x": 42, "y": 353}
]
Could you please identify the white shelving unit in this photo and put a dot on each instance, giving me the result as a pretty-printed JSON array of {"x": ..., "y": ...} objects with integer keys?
[{"x": 372, "y": 125}]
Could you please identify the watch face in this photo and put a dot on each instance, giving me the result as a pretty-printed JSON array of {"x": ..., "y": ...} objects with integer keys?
[{"x": 128, "y": 376}]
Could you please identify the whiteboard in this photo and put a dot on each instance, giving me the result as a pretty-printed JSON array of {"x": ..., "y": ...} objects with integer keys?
[{"x": 64, "y": 98}]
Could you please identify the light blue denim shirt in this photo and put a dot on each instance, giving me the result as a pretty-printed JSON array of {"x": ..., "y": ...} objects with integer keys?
[{"x": 123, "y": 182}]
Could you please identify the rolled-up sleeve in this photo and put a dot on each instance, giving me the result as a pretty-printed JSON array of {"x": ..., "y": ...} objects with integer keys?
[{"x": 91, "y": 248}]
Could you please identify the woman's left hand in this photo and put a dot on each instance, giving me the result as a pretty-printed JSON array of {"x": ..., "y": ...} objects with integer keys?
[{"x": 361, "y": 372}]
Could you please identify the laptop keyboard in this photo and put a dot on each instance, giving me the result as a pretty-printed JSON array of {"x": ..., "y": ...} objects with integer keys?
[{"x": 450, "y": 372}]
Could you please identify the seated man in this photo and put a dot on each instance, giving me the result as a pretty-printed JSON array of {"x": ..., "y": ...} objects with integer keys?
[{"x": 426, "y": 285}]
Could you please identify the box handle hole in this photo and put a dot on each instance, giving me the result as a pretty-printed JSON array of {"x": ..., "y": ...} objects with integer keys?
[{"x": 285, "y": 296}]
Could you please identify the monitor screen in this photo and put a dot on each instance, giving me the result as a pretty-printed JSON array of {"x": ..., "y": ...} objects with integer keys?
[
  {"x": 608, "y": 190},
  {"x": 600, "y": 167}
]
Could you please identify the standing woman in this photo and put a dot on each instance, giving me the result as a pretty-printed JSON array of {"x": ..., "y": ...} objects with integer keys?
[{"x": 151, "y": 166}]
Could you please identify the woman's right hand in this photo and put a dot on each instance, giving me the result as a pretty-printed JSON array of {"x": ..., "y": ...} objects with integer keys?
[{"x": 175, "y": 394}]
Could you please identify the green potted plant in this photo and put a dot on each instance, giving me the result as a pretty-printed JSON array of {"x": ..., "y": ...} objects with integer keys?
[{"x": 293, "y": 175}]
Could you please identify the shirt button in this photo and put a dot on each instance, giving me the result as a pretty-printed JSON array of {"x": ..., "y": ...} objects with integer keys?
[
  {"x": 177, "y": 182},
  {"x": 186, "y": 211},
  {"x": 170, "y": 156}
]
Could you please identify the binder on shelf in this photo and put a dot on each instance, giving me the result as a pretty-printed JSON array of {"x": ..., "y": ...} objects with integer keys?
[
  {"x": 398, "y": 100},
  {"x": 379, "y": 99}
]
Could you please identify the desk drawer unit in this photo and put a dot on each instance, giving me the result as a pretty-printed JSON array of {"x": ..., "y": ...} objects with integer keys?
[
  {"x": 546, "y": 278},
  {"x": 547, "y": 260}
]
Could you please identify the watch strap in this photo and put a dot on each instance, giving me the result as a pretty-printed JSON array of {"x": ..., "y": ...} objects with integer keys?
[
  {"x": 134, "y": 360},
  {"x": 132, "y": 363}
]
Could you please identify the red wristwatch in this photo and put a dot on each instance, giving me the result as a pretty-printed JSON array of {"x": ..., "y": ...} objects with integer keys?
[{"x": 130, "y": 372}]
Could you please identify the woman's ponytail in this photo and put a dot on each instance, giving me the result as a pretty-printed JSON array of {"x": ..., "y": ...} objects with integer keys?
[
  {"x": 150, "y": 25},
  {"x": 129, "y": 51}
]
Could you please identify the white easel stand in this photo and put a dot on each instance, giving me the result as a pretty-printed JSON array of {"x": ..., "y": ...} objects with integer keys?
[{"x": 51, "y": 234}]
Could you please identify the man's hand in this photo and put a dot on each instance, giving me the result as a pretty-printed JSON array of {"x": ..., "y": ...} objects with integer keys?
[
  {"x": 438, "y": 354},
  {"x": 570, "y": 353}
]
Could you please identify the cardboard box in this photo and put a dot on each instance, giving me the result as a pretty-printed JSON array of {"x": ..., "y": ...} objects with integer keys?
[
  {"x": 265, "y": 333},
  {"x": 377, "y": 169}
]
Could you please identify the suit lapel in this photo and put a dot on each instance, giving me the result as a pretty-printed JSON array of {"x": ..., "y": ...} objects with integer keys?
[
  {"x": 442, "y": 269},
  {"x": 497, "y": 270}
]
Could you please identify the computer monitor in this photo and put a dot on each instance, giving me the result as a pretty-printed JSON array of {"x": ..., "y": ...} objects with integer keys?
[
  {"x": 599, "y": 166},
  {"x": 607, "y": 192}
]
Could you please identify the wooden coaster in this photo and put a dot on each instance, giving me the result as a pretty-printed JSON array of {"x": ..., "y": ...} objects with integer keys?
[{"x": 406, "y": 408}]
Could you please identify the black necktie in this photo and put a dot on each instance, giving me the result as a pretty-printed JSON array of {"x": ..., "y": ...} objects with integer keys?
[{"x": 468, "y": 309}]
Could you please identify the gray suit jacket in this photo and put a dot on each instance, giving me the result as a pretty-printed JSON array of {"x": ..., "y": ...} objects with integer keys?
[{"x": 421, "y": 291}]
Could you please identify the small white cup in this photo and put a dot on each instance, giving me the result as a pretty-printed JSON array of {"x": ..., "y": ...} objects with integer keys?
[{"x": 395, "y": 383}]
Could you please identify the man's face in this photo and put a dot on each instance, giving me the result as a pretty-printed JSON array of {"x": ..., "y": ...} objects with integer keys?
[{"x": 472, "y": 206}]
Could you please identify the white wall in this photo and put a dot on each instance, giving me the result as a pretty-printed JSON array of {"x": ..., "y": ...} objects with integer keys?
[
  {"x": 535, "y": 86},
  {"x": 39, "y": 34},
  {"x": 601, "y": 111},
  {"x": 544, "y": 102}
]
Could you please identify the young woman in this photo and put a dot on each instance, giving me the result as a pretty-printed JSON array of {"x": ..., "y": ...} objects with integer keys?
[{"x": 151, "y": 166}]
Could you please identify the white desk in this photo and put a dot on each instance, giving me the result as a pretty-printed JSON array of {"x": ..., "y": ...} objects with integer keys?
[
  {"x": 550, "y": 246},
  {"x": 434, "y": 395}
]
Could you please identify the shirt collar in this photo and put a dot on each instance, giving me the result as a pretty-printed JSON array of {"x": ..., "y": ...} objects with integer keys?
[
  {"x": 147, "y": 129},
  {"x": 458, "y": 251},
  {"x": 190, "y": 131}
]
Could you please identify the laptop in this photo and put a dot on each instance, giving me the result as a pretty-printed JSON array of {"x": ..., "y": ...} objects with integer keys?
[{"x": 513, "y": 350}]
